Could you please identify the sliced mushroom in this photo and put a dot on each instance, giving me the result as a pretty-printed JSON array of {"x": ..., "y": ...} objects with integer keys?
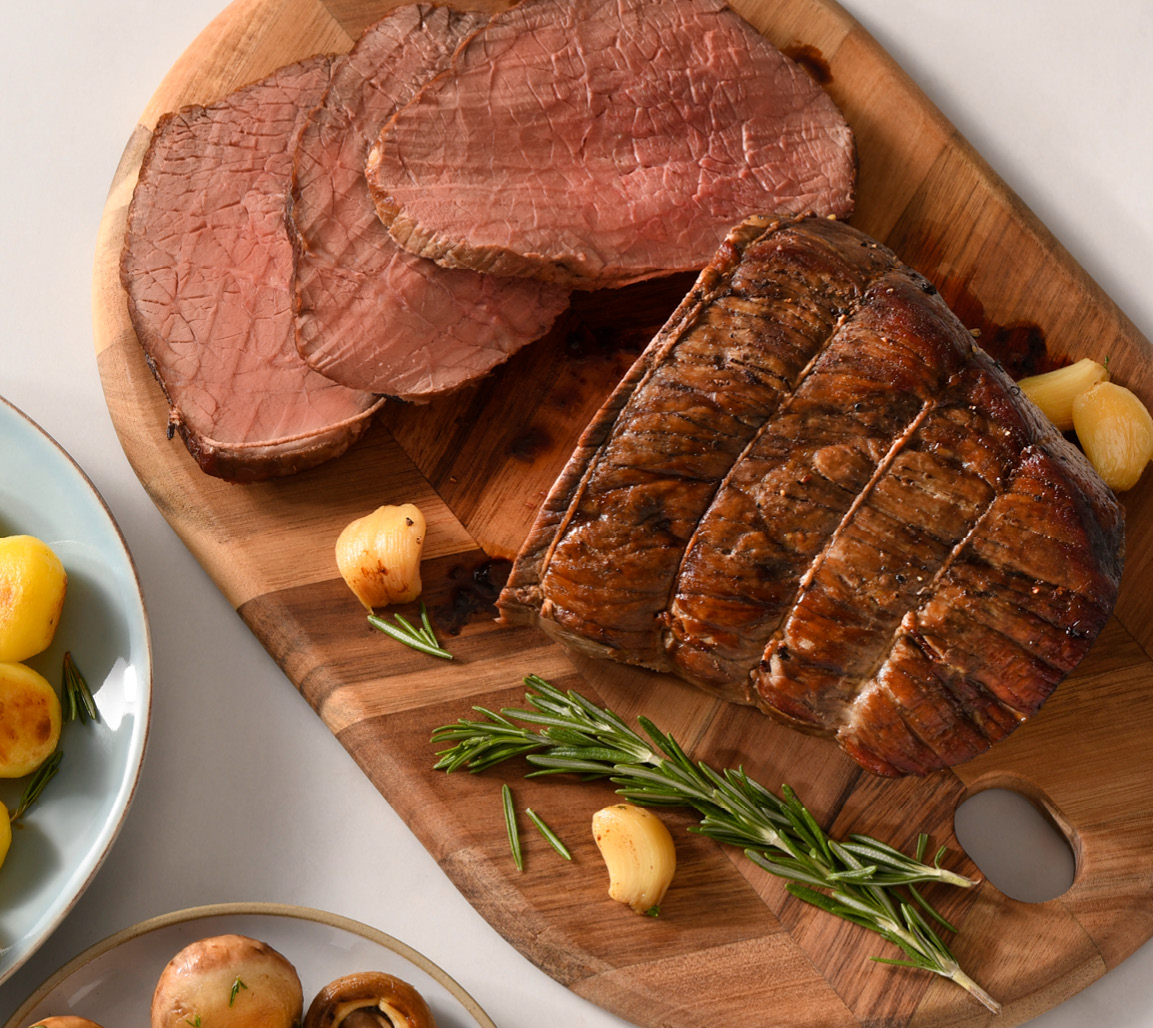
[
  {"x": 369, "y": 999},
  {"x": 228, "y": 981}
]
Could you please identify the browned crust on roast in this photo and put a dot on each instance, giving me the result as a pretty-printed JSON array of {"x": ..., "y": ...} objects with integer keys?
[
  {"x": 903, "y": 553},
  {"x": 770, "y": 275},
  {"x": 236, "y": 462}
]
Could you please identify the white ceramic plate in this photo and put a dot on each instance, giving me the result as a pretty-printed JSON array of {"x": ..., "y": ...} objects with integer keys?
[
  {"x": 62, "y": 840},
  {"x": 112, "y": 983}
]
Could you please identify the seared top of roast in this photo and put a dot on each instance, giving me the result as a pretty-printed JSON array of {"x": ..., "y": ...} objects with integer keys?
[{"x": 815, "y": 493}]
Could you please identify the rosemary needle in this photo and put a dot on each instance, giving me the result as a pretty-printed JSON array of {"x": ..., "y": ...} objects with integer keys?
[
  {"x": 861, "y": 880},
  {"x": 40, "y": 778},
  {"x": 79, "y": 702},
  {"x": 510, "y": 826},
  {"x": 236, "y": 987},
  {"x": 404, "y": 631},
  {"x": 548, "y": 833}
]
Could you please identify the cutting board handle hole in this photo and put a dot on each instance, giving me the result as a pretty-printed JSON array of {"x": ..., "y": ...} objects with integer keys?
[{"x": 1016, "y": 846}]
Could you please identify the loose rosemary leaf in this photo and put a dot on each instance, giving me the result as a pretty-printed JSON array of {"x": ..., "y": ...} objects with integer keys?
[
  {"x": 553, "y": 839},
  {"x": 511, "y": 826},
  {"x": 79, "y": 704},
  {"x": 40, "y": 778},
  {"x": 404, "y": 631}
]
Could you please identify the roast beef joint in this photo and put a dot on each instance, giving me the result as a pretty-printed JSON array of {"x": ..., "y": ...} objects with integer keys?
[{"x": 815, "y": 494}]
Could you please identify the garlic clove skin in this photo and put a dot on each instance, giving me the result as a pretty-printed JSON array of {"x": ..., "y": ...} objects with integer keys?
[
  {"x": 378, "y": 555},
  {"x": 639, "y": 854}
]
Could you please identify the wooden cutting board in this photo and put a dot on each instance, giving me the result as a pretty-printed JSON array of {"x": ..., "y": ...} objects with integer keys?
[{"x": 731, "y": 948}]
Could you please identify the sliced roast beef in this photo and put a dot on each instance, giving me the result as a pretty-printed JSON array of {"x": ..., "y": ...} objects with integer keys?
[
  {"x": 369, "y": 314},
  {"x": 598, "y": 142},
  {"x": 207, "y": 264},
  {"x": 815, "y": 494}
]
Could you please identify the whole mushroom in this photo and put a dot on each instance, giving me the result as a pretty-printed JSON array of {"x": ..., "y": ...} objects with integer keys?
[
  {"x": 228, "y": 981},
  {"x": 369, "y": 999},
  {"x": 64, "y": 1021}
]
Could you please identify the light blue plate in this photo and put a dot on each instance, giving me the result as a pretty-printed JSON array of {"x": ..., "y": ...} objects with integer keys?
[{"x": 62, "y": 840}]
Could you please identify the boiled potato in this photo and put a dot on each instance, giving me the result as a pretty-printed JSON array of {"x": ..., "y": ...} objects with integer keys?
[
  {"x": 1116, "y": 432},
  {"x": 32, "y": 587},
  {"x": 29, "y": 720}
]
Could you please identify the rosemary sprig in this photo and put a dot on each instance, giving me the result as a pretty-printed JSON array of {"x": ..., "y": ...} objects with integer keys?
[
  {"x": 857, "y": 880},
  {"x": 79, "y": 704},
  {"x": 404, "y": 631},
  {"x": 40, "y": 778}
]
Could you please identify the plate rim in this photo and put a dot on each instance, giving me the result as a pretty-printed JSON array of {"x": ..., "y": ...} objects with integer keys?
[
  {"x": 138, "y": 750},
  {"x": 244, "y": 909}
]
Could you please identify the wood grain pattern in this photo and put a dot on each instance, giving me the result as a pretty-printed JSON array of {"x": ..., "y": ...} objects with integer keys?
[{"x": 732, "y": 949}]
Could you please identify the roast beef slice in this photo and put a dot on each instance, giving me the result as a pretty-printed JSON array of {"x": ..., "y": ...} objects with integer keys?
[
  {"x": 206, "y": 266},
  {"x": 369, "y": 314},
  {"x": 596, "y": 143}
]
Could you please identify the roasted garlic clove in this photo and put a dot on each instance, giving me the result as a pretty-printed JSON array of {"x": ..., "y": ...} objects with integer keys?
[
  {"x": 1054, "y": 391},
  {"x": 379, "y": 555},
  {"x": 228, "y": 981},
  {"x": 639, "y": 853},
  {"x": 369, "y": 999},
  {"x": 1115, "y": 430}
]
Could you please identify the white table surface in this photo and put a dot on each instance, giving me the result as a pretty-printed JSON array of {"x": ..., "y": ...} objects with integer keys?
[{"x": 245, "y": 795}]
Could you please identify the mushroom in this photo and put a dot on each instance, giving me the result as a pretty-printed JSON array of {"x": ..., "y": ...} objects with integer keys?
[
  {"x": 65, "y": 1021},
  {"x": 228, "y": 981},
  {"x": 369, "y": 999}
]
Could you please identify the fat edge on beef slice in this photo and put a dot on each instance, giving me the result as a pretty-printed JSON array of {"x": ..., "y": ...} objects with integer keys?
[
  {"x": 599, "y": 142},
  {"x": 206, "y": 266},
  {"x": 813, "y": 493},
  {"x": 368, "y": 314}
]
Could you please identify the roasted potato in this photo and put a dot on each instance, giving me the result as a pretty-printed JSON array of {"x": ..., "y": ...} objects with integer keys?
[
  {"x": 30, "y": 718},
  {"x": 32, "y": 587},
  {"x": 5, "y": 833}
]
